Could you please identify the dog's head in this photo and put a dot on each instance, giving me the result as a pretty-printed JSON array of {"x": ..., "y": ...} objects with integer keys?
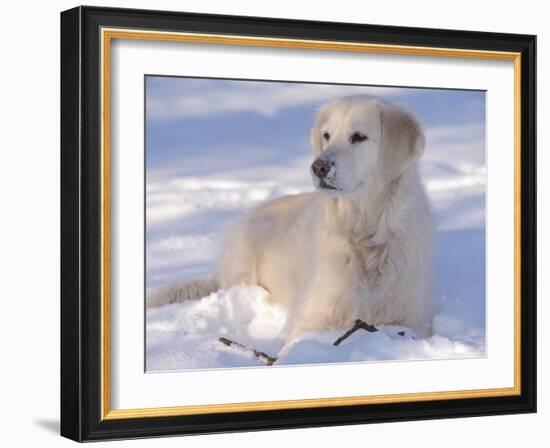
[{"x": 358, "y": 139}]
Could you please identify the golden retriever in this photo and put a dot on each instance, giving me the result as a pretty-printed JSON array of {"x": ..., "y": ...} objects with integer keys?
[{"x": 358, "y": 247}]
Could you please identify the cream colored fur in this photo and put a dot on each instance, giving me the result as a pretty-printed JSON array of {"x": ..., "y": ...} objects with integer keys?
[{"x": 357, "y": 247}]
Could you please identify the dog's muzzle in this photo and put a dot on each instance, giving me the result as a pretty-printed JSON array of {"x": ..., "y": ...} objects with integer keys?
[
  {"x": 323, "y": 171},
  {"x": 321, "y": 167}
]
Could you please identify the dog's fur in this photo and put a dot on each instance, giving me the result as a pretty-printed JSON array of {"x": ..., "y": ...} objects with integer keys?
[{"x": 359, "y": 247}]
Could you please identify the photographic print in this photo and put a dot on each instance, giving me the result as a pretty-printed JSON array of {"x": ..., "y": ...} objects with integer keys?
[
  {"x": 272, "y": 223},
  {"x": 294, "y": 223}
]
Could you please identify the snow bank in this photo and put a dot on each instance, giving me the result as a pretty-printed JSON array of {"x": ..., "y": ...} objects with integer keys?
[{"x": 186, "y": 336}]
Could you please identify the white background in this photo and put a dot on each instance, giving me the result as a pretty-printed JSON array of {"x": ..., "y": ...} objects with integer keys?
[{"x": 30, "y": 226}]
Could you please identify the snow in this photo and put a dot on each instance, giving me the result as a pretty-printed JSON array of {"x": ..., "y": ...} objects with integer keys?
[
  {"x": 190, "y": 204},
  {"x": 185, "y": 336}
]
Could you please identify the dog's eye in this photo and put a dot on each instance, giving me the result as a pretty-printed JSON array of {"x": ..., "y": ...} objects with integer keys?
[
  {"x": 326, "y": 136},
  {"x": 357, "y": 137}
]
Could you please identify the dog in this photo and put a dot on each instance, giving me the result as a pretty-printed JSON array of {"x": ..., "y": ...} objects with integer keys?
[{"x": 358, "y": 247}]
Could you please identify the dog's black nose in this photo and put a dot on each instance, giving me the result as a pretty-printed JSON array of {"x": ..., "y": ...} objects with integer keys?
[{"x": 321, "y": 167}]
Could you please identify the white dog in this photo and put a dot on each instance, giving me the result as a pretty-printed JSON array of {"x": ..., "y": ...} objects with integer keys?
[{"x": 359, "y": 247}]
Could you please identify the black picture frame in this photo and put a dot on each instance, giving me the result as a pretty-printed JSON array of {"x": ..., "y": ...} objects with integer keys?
[{"x": 81, "y": 224}]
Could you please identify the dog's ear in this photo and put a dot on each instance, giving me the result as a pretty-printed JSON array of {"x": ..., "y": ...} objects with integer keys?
[{"x": 401, "y": 143}]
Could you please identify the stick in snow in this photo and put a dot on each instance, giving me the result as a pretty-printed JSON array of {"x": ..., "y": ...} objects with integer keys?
[
  {"x": 269, "y": 360},
  {"x": 359, "y": 324}
]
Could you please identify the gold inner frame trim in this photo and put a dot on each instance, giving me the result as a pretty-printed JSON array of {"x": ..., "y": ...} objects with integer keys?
[{"x": 107, "y": 35}]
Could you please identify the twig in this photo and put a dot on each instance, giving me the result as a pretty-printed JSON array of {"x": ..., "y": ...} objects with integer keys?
[
  {"x": 359, "y": 324},
  {"x": 269, "y": 360}
]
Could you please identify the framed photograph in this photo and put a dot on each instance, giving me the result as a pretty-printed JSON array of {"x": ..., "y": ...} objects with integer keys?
[{"x": 272, "y": 223}]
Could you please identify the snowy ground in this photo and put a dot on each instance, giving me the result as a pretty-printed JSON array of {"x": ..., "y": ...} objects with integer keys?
[{"x": 189, "y": 206}]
